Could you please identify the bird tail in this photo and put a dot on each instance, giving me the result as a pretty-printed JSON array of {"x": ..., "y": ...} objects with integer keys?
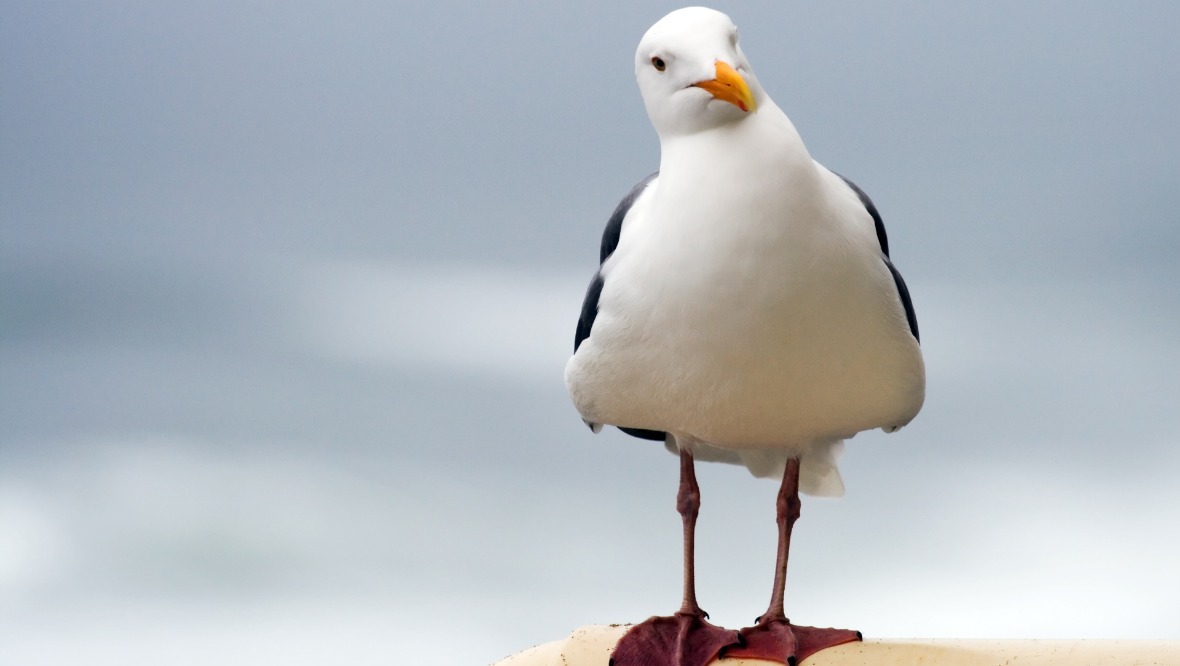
[{"x": 819, "y": 473}]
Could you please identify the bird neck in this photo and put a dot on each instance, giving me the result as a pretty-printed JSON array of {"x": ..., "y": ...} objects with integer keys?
[{"x": 745, "y": 151}]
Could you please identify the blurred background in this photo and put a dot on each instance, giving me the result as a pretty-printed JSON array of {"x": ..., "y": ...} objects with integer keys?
[{"x": 287, "y": 289}]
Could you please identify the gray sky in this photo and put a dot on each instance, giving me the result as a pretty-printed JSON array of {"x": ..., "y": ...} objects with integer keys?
[{"x": 286, "y": 292}]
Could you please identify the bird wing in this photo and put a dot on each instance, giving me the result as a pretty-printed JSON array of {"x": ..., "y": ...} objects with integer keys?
[
  {"x": 610, "y": 241},
  {"x": 903, "y": 292}
]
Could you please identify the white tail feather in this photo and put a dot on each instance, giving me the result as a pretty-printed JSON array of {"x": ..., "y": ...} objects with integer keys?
[{"x": 819, "y": 473}]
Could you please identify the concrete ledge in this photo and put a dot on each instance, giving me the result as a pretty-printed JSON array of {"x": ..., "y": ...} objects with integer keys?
[{"x": 591, "y": 646}]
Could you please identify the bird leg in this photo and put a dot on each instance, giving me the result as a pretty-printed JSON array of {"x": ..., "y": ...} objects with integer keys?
[
  {"x": 688, "y": 505},
  {"x": 686, "y": 638},
  {"x": 773, "y": 637},
  {"x": 787, "y": 512}
]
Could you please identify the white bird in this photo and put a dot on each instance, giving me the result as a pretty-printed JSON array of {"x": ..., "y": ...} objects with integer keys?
[{"x": 746, "y": 310}]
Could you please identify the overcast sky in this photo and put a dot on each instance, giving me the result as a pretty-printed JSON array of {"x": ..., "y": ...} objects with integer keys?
[{"x": 287, "y": 289}]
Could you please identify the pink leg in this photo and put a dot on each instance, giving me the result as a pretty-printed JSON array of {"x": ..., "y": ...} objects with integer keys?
[
  {"x": 686, "y": 638},
  {"x": 773, "y": 637},
  {"x": 787, "y": 512},
  {"x": 688, "y": 505}
]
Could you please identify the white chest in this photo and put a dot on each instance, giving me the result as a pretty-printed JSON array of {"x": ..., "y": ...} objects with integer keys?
[{"x": 749, "y": 313}]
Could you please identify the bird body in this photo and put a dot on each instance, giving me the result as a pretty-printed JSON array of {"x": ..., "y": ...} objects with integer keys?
[{"x": 748, "y": 308}]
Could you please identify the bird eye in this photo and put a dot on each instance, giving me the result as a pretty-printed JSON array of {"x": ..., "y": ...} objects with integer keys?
[{"x": 658, "y": 63}]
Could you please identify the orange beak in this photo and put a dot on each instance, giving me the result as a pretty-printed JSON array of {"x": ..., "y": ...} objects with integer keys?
[{"x": 729, "y": 86}]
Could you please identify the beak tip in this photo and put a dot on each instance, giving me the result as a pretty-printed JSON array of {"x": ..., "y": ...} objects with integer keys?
[{"x": 730, "y": 86}]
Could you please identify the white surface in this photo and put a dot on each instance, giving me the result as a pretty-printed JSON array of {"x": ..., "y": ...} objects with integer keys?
[{"x": 592, "y": 645}]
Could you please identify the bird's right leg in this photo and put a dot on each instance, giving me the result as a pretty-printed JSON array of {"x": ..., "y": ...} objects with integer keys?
[{"x": 686, "y": 638}]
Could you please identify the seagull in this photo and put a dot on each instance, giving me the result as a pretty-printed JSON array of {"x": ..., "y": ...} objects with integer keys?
[{"x": 745, "y": 310}]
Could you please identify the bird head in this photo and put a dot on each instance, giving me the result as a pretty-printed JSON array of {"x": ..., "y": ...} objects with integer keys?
[{"x": 692, "y": 73}]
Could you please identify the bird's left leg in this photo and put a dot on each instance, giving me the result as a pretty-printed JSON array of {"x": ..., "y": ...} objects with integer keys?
[
  {"x": 786, "y": 513},
  {"x": 688, "y": 505},
  {"x": 686, "y": 638},
  {"x": 773, "y": 637}
]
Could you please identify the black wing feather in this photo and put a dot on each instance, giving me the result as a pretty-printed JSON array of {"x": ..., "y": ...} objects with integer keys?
[
  {"x": 610, "y": 241},
  {"x": 903, "y": 291},
  {"x": 878, "y": 223},
  {"x": 589, "y": 310},
  {"x": 614, "y": 226}
]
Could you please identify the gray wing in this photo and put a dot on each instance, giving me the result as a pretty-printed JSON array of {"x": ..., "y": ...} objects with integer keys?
[
  {"x": 903, "y": 292},
  {"x": 610, "y": 241}
]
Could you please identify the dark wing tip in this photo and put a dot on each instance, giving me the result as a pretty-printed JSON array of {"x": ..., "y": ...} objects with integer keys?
[{"x": 642, "y": 433}]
